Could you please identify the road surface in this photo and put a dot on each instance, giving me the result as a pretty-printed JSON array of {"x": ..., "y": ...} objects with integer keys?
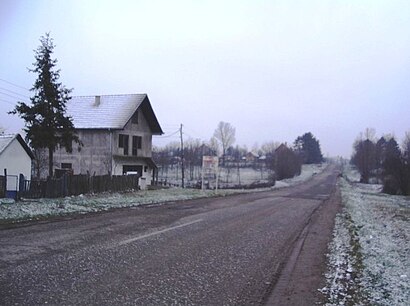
[{"x": 248, "y": 249}]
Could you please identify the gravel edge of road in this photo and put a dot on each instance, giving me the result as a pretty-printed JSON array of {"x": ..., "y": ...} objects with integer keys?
[{"x": 303, "y": 274}]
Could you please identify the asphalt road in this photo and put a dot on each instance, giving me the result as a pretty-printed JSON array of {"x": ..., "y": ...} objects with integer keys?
[{"x": 222, "y": 251}]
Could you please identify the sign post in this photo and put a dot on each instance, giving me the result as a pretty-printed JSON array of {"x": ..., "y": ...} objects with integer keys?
[{"x": 210, "y": 170}]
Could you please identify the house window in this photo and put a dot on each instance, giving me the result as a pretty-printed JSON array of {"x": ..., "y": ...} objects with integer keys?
[
  {"x": 134, "y": 118},
  {"x": 145, "y": 169},
  {"x": 136, "y": 144},
  {"x": 123, "y": 142},
  {"x": 66, "y": 165}
]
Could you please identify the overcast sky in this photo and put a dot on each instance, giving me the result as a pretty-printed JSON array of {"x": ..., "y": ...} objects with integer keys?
[{"x": 273, "y": 69}]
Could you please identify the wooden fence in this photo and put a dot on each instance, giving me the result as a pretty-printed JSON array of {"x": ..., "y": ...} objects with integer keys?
[
  {"x": 2, "y": 186},
  {"x": 69, "y": 185}
]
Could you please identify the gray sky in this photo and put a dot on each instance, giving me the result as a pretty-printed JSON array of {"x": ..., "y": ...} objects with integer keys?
[{"x": 273, "y": 69}]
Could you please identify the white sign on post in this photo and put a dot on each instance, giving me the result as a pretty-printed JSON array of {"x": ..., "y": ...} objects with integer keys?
[{"x": 210, "y": 170}]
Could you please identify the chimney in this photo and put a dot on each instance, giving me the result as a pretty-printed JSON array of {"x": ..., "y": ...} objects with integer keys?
[{"x": 97, "y": 101}]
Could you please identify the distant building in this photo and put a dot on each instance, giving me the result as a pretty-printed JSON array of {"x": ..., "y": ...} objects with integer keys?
[
  {"x": 116, "y": 132},
  {"x": 251, "y": 157}
]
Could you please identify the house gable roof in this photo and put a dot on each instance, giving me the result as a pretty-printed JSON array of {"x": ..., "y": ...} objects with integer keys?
[
  {"x": 6, "y": 140},
  {"x": 110, "y": 111}
]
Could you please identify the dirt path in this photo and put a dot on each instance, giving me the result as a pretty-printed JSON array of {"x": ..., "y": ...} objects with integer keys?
[{"x": 303, "y": 274}]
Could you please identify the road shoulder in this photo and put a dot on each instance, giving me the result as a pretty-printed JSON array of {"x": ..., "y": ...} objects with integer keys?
[{"x": 303, "y": 274}]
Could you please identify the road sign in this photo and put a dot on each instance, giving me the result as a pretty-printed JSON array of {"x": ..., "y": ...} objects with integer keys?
[{"x": 210, "y": 170}]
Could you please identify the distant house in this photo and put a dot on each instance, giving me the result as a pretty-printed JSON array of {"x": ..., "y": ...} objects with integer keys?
[
  {"x": 16, "y": 158},
  {"x": 116, "y": 132},
  {"x": 251, "y": 157}
]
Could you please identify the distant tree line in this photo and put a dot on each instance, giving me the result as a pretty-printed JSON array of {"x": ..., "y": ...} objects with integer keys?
[
  {"x": 382, "y": 161},
  {"x": 286, "y": 161}
]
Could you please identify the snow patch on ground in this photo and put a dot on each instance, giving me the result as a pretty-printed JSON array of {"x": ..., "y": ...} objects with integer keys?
[
  {"x": 308, "y": 171},
  {"x": 369, "y": 257},
  {"x": 11, "y": 211}
]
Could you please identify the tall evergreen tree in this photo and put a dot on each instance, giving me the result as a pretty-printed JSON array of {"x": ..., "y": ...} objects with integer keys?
[
  {"x": 46, "y": 123},
  {"x": 380, "y": 152},
  {"x": 393, "y": 169},
  {"x": 364, "y": 158},
  {"x": 308, "y": 148}
]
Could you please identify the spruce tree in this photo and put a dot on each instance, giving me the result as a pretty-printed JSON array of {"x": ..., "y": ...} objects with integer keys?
[
  {"x": 46, "y": 123},
  {"x": 308, "y": 148}
]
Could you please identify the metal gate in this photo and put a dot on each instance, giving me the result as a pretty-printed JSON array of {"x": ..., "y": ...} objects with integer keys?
[{"x": 12, "y": 183}]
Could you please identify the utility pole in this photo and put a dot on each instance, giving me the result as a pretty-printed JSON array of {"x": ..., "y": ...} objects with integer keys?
[{"x": 182, "y": 158}]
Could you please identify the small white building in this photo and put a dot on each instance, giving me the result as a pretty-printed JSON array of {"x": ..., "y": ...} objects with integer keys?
[{"x": 16, "y": 158}]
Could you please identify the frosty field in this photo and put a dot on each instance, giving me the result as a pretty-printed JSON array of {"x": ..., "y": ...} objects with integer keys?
[
  {"x": 11, "y": 211},
  {"x": 229, "y": 177},
  {"x": 369, "y": 257}
]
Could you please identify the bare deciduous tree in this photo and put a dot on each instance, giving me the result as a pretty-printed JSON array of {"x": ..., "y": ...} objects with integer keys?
[
  {"x": 214, "y": 145},
  {"x": 269, "y": 147},
  {"x": 225, "y": 134}
]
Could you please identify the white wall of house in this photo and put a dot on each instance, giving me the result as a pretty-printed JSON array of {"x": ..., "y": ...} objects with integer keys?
[{"x": 16, "y": 160}]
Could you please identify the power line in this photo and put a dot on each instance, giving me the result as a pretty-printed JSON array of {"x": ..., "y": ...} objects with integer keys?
[
  {"x": 167, "y": 136},
  {"x": 8, "y": 102},
  {"x": 13, "y": 92},
  {"x": 11, "y": 96},
  {"x": 14, "y": 84}
]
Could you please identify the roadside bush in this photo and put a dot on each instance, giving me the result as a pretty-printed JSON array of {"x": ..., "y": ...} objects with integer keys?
[
  {"x": 287, "y": 163},
  {"x": 391, "y": 185}
]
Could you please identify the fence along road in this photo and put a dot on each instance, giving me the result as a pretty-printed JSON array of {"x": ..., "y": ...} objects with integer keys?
[{"x": 220, "y": 251}]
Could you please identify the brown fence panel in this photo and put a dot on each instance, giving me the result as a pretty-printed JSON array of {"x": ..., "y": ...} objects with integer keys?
[
  {"x": 54, "y": 188},
  {"x": 100, "y": 183},
  {"x": 2, "y": 186},
  {"x": 79, "y": 184}
]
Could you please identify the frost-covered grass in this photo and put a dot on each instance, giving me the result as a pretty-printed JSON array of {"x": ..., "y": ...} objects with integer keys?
[
  {"x": 242, "y": 176},
  {"x": 307, "y": 172},
  {"x": 11, "y": 211},
  {"x": 29, "y": 209},
  {"x": 369, "y": 257},
  {"x": 228, "y": 176}
]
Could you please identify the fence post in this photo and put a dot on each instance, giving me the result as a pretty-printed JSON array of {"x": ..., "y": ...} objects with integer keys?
[
  {"x": 21, "y": 186},
  {"x": 65, "y": 185},
  {"x": 91, "y": 183},
  {"x": 48, "y": 187},
  {"x": 5, "y": 182}
]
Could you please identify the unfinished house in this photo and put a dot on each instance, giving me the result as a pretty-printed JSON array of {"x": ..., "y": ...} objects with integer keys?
[{"x": 116, "y": 132}]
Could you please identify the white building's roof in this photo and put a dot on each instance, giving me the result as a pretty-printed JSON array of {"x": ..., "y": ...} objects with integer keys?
[
  {"x": 6, "y": 140},
  {"x": 103, "y": 112}
]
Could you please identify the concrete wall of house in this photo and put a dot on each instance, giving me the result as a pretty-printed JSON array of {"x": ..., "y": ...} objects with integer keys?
[
  {"x": 131, "y": 129},
  {"x": 141, "y": 129},
  {"x": 101, "y": 153},
  {"x": 16, "y": 160},
  {"x": 94, "y": 157}
]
